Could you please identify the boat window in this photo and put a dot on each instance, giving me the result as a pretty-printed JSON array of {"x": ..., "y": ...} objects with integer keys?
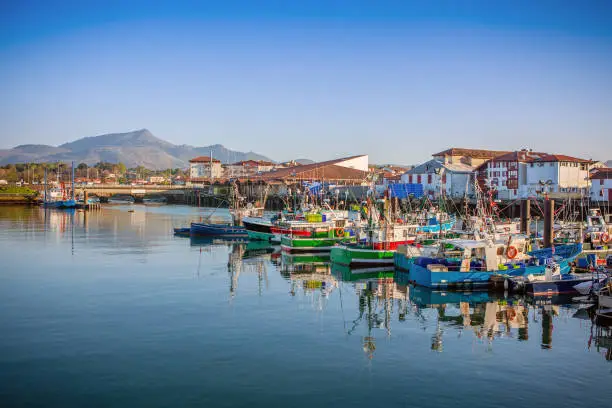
[{"x": 500, "y": 251}]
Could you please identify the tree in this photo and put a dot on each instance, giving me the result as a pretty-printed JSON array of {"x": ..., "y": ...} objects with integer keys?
[{"x": 82, "y": 169}]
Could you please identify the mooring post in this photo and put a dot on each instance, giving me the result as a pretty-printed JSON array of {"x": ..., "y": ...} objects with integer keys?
[
  {"x": 549, "y": 221},
  {"x": 525, "y": 216}
]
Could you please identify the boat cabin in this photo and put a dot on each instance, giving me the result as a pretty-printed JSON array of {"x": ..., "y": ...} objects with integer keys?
[{"x": 483, "y": 255}]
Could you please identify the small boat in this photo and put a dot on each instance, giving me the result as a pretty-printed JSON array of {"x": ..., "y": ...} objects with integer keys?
[
  {"x": 158, "y": 200},
  {"x": 217, "y": 230},
  {"x": 604, "y": 300},
  {"x": 183, "y": 232},
  {"x": 604, "y": 295},
  {"x": 553, "y": 282},
  {"x": 118, "y": 199}
]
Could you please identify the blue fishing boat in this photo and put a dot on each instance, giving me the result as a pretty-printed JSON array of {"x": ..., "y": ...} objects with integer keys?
[
  {"x": 183, "y": 232},
  {"x": 217, "y": 230},
  {"x": 57, "y": 197},
  {"x": 470, "y": 264}
]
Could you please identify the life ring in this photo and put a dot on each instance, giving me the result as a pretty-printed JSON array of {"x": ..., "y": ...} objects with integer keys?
[
  {"x": 605, "y": 237},
  {"x": 511, "y": 252},
  {"x": 339, "y": 232}
]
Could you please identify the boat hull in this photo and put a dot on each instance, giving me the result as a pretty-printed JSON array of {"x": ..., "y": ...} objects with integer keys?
[
  {"x": 359, "y": 256},
  {"x": 301, "y": 245},
  {"x": 213, "y": 230},
  {"x": 61, "y": 204},
  {"x": 402, "y": 262},
  {"x": 183, "y": 232},
  {"x": 469, "y": 280},
  {"x": 555, "y": 287},
  {"x": 258, "y": 229}
]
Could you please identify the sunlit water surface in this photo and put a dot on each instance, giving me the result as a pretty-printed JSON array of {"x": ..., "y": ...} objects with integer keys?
[{"x": 108, "y": 308}]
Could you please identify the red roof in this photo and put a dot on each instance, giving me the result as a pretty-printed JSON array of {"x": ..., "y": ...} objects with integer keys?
[
  {"x": 561, "y": 158},
  {"x": 604, "y": 173},
  {"x": 204, "y": 159},
  {"x": 527, "y": 156}
]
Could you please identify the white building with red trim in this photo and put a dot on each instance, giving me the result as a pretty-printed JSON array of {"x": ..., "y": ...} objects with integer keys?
[
  {"x": 525, "y": 173},
  {"x": 204, "y": 168}
]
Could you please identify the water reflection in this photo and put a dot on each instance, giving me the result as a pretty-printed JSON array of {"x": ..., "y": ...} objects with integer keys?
[{"x": 373, "y": 303}]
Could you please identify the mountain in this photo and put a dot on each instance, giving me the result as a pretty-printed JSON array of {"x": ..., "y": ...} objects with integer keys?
[
  {"x": 608, "y": 163},
  {"x": 136, "y": 148}
]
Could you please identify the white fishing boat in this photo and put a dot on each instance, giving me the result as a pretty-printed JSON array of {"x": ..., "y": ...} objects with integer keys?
[
  {"x": 158, "y": 200},
  {"x": 121, "y": 200}
]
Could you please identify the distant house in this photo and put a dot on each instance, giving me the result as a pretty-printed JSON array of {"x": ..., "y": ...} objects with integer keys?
[
  {"x": 156, "y": 179},
  {"x": 438, "y": 177},
  {"x": 204, "y": 168},
  {"x": 601, "y": 185},
  {"x": 247, "y": 168},
  {"x": 469, "y": 157}
]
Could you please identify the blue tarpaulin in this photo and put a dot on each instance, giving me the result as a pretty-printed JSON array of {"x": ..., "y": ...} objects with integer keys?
[{"x": 403, "y": 190}]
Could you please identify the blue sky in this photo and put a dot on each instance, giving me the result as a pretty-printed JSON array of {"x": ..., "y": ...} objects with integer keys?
[{"x": 318, "y": 79}]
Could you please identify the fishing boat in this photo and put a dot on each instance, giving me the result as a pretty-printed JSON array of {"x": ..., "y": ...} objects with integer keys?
[
  {"x": 121, "y": 199},
  {"x": 378, "y": 239},
  {"x": 470, "y": 264},
  {"x": 158, "y": 200},
  {"x": 57, "y": 197},
  {"x": 183, "y": 232},
  {"x": 314, "y": 237},
  {"x": 437, "y": 223},
  {"x": 217, "y": 230}
]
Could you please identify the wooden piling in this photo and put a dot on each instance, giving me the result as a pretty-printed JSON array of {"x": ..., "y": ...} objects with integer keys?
[
  {"x": 549, "y": 221},
  {"x": 525, "y": 216}
]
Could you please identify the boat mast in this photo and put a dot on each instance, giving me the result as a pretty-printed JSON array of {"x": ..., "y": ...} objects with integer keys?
[{"x": 72, "y": 182}]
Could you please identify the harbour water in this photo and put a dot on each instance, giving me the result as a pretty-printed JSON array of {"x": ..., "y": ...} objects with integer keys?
[{"x": 108, "y": 308}]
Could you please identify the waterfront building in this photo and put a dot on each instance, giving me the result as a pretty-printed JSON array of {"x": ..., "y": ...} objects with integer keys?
[
  {"x": 469, "y": 157},
  {"x": 441, "y": 177},
  {"x": 246, "y": 168},
  {"x": 601, "y": 185},
  {"x": 348, "y": 170},
  {"x": 526, "y": 173},
  {"x": 204, "y": 168}
]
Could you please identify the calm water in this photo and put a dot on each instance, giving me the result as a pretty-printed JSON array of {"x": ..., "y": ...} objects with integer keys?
[{"x": 109, "y": 309}]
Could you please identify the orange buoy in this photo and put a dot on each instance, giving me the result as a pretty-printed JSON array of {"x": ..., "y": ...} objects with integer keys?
[{"x": 511, "y": 252}]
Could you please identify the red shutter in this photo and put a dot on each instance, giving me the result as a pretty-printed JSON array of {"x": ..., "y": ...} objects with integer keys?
[
  {"x": 419, "y": 179},
  {"x": 429, "y": 179},
  {"x": 410, "y": 178}
]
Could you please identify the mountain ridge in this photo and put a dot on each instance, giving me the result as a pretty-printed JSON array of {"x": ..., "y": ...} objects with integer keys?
[{"x": 135, "y": 148}]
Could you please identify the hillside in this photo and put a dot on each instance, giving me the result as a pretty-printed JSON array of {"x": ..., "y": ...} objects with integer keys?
[{"x": 136, "y": 148}]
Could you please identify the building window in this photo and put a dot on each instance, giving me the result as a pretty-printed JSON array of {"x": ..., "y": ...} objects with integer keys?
[
  {"x": 429, "y": 179},
  {"x": 419, "y": 179},
  {"x": 410, "y": 178},
  {"x": 601, "y": 182}
]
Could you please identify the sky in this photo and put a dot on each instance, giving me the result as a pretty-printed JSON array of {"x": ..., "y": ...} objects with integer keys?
[{"x": 318, "y": 79}]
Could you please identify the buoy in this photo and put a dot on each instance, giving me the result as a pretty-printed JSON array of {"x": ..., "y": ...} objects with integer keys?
[
  {"x": 605, "y": 237},
  {"x": 511, "y": 252}
]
